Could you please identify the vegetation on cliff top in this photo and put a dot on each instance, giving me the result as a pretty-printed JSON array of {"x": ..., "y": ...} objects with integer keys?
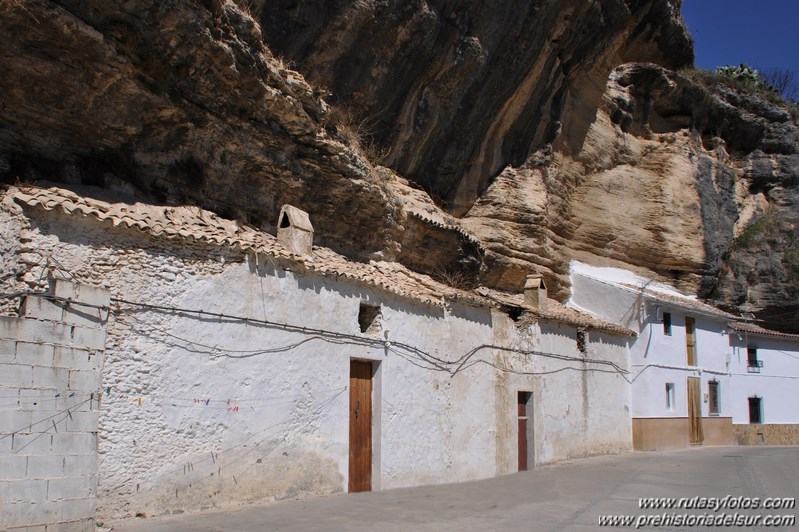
[{"x": 779, "y": 86}]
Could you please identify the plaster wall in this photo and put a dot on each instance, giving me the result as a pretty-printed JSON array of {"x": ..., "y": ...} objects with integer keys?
[
  {"x": 201, "y": 410},
  {"x": 776, "y": 383},
  {"x": 585, "y": 407},
  {"x": 658, "y": 358},
  {"x": 579, "y": 407}
]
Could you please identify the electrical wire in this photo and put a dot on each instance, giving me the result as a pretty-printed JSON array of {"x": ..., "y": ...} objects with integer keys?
[
  {"x": 433, "y": 362},
  {"x": 759, "y": 375},
  {"x": 676, "y": 368},
  {"x": 29, "y": 426},
  {"x": 786, "y": 354}
]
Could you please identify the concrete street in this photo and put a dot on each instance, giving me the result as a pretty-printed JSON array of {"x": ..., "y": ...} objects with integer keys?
[{"x": 565, "y": 496}]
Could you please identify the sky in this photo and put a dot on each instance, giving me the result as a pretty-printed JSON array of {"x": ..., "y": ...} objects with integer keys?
[{"x": 760, "y": 33}]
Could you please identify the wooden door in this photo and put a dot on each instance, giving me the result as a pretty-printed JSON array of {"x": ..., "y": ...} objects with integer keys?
[
  {"x": 690, "y": 340},
  {"x": 360, "y": 426},
  {"x": 522, "y": 400},
  {"x": 696, "y": 435},
  {"x": 755, "y": 410}
]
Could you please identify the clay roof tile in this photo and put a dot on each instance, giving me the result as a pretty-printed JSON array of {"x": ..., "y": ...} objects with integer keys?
[{"x": 198, "y": 224}]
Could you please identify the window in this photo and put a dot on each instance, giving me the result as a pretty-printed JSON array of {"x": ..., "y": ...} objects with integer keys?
[
  {"x": 753, "y": 365},
  {"x": 690, "y": 340},
  {"x": 582, "y": 342},
  {"x": 367, "y": 318},
  {"x": 667, "y": 323},
  {"x": 670, "y": 396},
  {"x": 755, "y": 409},
  {"x": 713, "y": 398}
]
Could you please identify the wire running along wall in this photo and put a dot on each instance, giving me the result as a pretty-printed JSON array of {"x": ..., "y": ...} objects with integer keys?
[{"x": 227, "y": 461}]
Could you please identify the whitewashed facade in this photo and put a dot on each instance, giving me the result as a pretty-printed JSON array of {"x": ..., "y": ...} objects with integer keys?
[
  {"x": 229, "y": 360},
  {"x": 663, "y": 370},
  {"x": 765, "y": 385}
]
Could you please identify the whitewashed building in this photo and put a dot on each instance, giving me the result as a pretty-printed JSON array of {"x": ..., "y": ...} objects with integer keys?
[
  {"x": 239, "y": 366},
  {"x": 680, "y": 375},
  {"x": 765, "y": 385}
]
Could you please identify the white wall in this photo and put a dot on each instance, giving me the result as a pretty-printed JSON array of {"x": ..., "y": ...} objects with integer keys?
[
  {"x": 285, "y": 430},
  {"x": 293, "y": 404},
  {"x": 655, "y": 357},
  {"x": 777, "y": 383},
  {"x": 658, "y": 358},
  {"x": 587, "y": 410}
]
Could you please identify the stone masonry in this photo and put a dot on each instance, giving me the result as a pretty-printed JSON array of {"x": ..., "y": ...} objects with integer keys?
[{"x": 50, "y": 376}]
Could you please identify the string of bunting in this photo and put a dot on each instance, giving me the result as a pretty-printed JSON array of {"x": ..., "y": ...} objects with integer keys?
[
  {"x": 268, "y": 432},
  {"x": 231, "y": 405}
]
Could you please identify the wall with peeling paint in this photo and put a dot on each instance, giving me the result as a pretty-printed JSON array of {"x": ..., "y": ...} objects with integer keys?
[{"x": 202, "y": 411}]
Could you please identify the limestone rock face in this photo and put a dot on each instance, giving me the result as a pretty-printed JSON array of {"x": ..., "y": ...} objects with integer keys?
[
  {"x": 452, "y": 92},
  {"x": 181, "y": 102},
  {"x": 476, "y": 141},
  {"x": 692, "y": 185},
  {"x": 706, "y": 178}
]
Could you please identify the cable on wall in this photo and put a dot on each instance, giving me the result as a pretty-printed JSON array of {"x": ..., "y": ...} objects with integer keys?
[{"x": 433, "y": 362}]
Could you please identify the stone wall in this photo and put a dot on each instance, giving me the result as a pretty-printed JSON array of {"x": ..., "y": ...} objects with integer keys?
[
  {"x": 660, "y": 434},
  {"x": 51, "y": 358},
  {"x": 766, "y": 434}
]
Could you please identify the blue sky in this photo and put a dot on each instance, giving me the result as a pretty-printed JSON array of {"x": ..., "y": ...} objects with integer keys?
[{"x": 760, "y": 33}]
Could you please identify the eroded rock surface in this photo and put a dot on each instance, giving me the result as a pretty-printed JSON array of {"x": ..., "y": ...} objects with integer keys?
[
  {"x": 452, "y": 92},
  {"x": 691, "y": 185},
  {"x": 520, "y": 153},
  {"x": 181, "y": 102}
]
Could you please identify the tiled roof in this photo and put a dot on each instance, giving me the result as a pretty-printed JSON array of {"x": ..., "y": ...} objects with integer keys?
[
  {"x": 684, "y": 302},
  {"x": 555, "y": 311},
  {"x": 193, "y": 223},
  {"x": 751, "y": 328}
]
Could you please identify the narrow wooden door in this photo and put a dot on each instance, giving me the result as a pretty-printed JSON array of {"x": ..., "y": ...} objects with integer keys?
[
  {"x": 522, "y": 400},
  {"x": 690, "y": 340},
  {"x": 755, "y": 410},
  {"x": 360, "y": 426},
  {"x": 696, "y": 434}
]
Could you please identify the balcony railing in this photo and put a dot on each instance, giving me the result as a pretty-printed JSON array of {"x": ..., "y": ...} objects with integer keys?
[{"x": 753, "y": 366}]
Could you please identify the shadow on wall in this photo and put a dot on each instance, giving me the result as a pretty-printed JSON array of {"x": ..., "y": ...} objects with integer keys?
[
  {"x": 88, "y": 231},
  {"x": 607, "y": 339},
  {"x": 473, "y": 314},
  {"x": 348, "y": 289}
]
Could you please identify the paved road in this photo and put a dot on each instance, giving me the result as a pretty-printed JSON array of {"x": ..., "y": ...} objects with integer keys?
[{"x": 565, "y": 496}]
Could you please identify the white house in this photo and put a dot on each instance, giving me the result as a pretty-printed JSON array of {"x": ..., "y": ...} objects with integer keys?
[
  {"x": 765, "y": 385},
  {"x": 679, "y": 361},
  {"x": 240, "y": 366}
]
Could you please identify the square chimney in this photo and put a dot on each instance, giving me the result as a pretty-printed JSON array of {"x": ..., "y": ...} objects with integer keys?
[
  {"x": 294, "y": 230},
  {"x": 535, "y": 292}
]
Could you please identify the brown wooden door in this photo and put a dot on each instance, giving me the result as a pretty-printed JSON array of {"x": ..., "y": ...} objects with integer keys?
[
  {"x": 360, "y": 426},
  {"x": 523, "y": 398},
  {"x": 690, "y": 340},
  {"x": 696, "y": 434}
]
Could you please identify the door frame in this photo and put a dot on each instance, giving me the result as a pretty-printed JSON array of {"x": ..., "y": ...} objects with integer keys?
[
  {"x": 375, "y": 425},
  {"x": 695, "y": 433},
  {"x": 525, "y": 430}
]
